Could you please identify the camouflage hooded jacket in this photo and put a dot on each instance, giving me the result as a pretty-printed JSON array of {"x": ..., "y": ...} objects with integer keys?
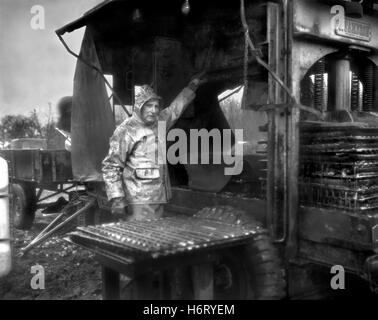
[{"x": 134, "y": 168}]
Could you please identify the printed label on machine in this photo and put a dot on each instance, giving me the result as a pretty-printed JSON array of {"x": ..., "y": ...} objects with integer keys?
[{"x": 354, "y": 29}]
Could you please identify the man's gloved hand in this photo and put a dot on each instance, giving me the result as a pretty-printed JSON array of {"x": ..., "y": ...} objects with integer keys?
[
  {"x": 196, "y": 81},
  {"x": 119, "y": 208}
]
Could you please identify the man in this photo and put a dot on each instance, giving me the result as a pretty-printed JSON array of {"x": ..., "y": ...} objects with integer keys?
[{"x": 136, "y": 179}]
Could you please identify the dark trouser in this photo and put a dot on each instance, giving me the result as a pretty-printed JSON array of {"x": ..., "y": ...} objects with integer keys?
[
  {"x": 144, "y": 211},
  {"x": 139, "y": 212}
]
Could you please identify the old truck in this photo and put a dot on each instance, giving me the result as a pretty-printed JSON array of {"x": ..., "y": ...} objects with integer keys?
[{"x": 308, "y": 113}]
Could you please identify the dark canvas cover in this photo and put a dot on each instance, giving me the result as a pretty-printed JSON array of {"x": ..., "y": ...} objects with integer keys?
[{"x": 92, "y": 118}]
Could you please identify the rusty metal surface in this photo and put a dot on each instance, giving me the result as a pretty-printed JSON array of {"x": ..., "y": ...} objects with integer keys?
[
  {"x": 161, "y": 237},
  {"x": 320, "y": 26},
  {"x": 339, "y": 167}
]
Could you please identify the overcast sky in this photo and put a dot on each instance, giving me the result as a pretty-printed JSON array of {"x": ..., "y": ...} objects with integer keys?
[{"x": 35, "y": 69}]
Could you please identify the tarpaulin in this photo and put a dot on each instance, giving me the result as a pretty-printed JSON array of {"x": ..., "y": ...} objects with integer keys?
[{"x": 92, "y": 119}]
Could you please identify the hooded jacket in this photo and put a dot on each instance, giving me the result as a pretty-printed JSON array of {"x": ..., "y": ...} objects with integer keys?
[{"x": 134, "y": 168}]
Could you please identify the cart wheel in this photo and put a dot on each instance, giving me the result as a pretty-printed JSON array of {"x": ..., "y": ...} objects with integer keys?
[
  {"x": 252, "y": 271},
  {"x": 23, "y": 206}
]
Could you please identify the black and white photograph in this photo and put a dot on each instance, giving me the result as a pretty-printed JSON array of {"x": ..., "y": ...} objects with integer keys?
[{"x": 204, "y": 152}]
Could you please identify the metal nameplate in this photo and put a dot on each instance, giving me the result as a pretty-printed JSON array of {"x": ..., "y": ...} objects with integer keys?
[{"x": 355, "y": 29}]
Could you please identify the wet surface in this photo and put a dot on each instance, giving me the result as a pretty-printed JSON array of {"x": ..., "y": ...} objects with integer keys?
[{"x": 70, "y": 272}]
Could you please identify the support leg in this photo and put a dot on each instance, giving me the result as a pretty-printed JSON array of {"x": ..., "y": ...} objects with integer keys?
[
  {"x": 110, "y": 284},
  {"x": 179, "y": 283},
  {"x": 144, "y": 287},
  {"x": 203, "y": 281}
]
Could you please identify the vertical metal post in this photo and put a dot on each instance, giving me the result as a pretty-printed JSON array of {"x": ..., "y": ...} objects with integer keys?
[
  {"x": 342, "y": 84},
  {"x": 292, "y": 198},
  {"x": 276, "y": 176},
  {"x": 282, "y": 182},
  {"x": 276, "y": 182}
]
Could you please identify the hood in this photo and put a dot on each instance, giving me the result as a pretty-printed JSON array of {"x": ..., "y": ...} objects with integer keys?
[{"x": 143, "y": 94}]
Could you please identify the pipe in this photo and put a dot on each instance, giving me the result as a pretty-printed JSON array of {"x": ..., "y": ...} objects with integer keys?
[{"x": 35, "y": 242}]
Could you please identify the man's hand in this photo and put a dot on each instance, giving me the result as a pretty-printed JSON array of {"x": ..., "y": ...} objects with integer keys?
[
  {"x": 196, "y": 81},
  {"x": 119, "y": 208}
]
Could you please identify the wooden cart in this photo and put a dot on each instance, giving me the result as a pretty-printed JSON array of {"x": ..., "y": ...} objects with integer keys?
[{"x": 31, "y": 171}]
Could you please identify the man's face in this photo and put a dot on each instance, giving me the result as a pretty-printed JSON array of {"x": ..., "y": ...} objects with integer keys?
[{"x": 150, "y": 112}]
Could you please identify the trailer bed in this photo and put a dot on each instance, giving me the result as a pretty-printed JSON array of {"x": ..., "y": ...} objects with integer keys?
[{"x": 44, "y": 167}]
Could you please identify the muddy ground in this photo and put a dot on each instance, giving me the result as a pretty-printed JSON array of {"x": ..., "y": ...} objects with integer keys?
[{"x": 70, "y": 272}]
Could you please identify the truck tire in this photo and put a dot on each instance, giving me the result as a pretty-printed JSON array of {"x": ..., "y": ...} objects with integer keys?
[
  {"x": 23, "y": 206},
  {"x": 251, "y": 271}
]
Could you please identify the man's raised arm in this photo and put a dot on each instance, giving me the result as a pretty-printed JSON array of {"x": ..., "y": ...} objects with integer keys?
[{"x": 172, "y": 113}]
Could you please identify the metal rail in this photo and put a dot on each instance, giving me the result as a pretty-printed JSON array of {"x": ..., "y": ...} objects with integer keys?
[
  {"x": 42, "y": 237},
  {"x": 339, "y": 168},
  {"x": 163, "y": 237}
]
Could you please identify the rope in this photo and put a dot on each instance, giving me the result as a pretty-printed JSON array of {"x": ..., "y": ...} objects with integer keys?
[
  {"x": 266, "y": 66},
  {"x": 232, "y": 93},
  {"x": 258, "y": 59},
  {"x": 97, "y": 70},
  {"x": 246, "y": 36}
]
